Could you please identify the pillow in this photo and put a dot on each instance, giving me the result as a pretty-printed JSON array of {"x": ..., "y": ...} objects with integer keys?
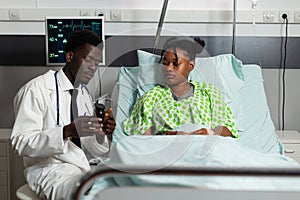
[
  {"x": 146, "y": 58},
  {"x": 223, "y": 71},
  {"x": 126, "y": 95}
]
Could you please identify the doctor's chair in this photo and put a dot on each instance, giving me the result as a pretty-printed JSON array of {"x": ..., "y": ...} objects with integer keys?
[{"x": 25, "y": 193}]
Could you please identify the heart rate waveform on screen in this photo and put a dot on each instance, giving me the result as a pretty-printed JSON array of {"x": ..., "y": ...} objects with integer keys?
[
  {"x": 59, "y": 28},
  {"x": 94, "y": 26}
]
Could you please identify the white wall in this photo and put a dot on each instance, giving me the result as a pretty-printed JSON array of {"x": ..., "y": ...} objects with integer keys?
[
  {"x": 135, "y": 4},
  {"x": 153, "y": 4},
  {"x": 273, "y": 88}
]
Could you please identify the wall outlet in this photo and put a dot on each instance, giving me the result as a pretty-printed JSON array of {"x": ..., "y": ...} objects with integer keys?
[
  {"x": 280, "y": 16},
  {"x": 14, "y": 14},
  {"x": 297, "y": 16},
  {"x": 99, "y": 13},
  {"x": 268, "y": 16},
  {"x": 85, "y": 13},
  {"x": 115, "y": 15}
]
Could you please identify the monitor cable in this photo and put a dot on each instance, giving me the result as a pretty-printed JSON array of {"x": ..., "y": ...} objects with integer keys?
[
  {"x": 283, "y": 67},
  {"x": 100, "y": 83}
]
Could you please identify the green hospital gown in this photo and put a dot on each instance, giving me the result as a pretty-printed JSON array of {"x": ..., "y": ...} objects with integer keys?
[{"x": 157, "y": 108}]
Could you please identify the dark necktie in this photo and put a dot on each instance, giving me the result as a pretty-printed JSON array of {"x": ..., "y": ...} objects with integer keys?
[{"x": 74, "y": 113}]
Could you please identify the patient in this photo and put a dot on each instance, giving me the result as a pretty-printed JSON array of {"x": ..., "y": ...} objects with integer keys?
[{"x": 164, "y": 109}]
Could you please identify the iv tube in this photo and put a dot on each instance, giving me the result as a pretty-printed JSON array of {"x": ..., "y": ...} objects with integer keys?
[{"x": 253, "y": 5}]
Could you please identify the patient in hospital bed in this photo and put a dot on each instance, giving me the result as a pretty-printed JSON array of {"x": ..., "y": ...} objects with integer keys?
[
  {"x": 165, "y": 107},
  {"x": 244, "y": 111}
]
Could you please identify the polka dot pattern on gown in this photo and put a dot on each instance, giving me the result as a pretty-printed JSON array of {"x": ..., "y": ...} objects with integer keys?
[{"x": 157, "y": 108}]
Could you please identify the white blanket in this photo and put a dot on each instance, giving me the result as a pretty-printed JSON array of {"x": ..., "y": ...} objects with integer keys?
[{"x": 195, "y": 151}]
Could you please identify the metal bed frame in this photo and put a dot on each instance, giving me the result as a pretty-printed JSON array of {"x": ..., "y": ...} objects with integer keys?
[{"x": 87, "y": 180}]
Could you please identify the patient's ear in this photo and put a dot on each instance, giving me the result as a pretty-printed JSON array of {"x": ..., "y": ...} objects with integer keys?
[
  {"x": 69, "y": 56},
  {"x": 191, "y": 65}
]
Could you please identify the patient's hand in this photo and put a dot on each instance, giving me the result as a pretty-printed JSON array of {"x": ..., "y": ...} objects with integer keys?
[
  {"x": 220, "y": 130},
  {"x": 202, "y": 131}
]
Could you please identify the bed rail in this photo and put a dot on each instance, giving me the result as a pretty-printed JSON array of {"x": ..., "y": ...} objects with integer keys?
[{"x": 104, "y": 171}]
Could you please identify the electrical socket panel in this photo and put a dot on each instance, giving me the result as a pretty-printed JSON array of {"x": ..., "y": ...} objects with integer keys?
[
  {"x": 280, "y": 19},
  {"x": 276, "y": 16},
  {"x": 99, "y": 13},
  {"x": 86, "y": 13},
  {"x": 14, "y": 14},
  {"x": 268, "y": 16},
  {"x": 115, "y": 15},
  {"x": 297, "y": 16}
]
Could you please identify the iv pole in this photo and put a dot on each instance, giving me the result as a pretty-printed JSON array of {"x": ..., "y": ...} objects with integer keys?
[
  {"x": 162, "y": 16},
  {"x": 160, "y": 24},
  {"x": 234, "y": 27}
]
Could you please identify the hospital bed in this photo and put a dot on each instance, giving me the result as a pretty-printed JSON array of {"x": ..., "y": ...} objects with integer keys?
[{"x": 177, "y": 167}]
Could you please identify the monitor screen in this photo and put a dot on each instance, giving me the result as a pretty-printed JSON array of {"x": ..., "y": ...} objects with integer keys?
[{"x": 58, "y": 29}]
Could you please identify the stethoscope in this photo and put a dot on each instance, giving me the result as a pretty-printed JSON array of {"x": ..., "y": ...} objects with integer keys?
[{"x": 57, "y": 99}]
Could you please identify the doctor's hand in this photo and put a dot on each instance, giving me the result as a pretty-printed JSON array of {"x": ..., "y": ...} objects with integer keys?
[
  {"x": 108, "y": 123},
  {"x": 83, "y": 126}
]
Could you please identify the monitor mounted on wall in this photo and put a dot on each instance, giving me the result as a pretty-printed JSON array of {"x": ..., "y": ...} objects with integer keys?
[{"x": 58, "y": 29}]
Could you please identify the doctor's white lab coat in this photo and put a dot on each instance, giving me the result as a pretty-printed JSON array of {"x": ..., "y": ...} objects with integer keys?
[{"x": 52, "y": 164}]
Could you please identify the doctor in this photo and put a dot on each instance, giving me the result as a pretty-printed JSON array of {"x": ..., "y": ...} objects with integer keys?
[{"x": 55, "y": 148}]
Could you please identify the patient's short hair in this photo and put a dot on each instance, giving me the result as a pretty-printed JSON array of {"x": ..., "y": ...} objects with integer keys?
[{"x": 78, "y": 39}]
